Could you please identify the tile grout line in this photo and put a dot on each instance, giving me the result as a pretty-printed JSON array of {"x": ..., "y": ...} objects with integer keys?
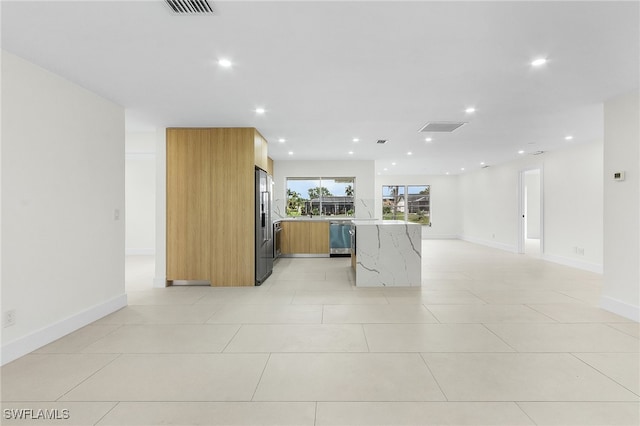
[
  {"x": 260, "y": 379},
  {"x": 365, "y": 337},
  {"x": 498, "y": 336},
  {"x": 91, "y": 375},
  {"x": 315, "y": 415},
  {"x": 434, "y": 376},
  {"x": 232, "y": 337},
  {"x": 573, "y": 354},
  {"x": 107, "y": 413}
]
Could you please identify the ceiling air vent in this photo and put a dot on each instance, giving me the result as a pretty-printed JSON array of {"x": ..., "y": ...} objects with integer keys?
[
  {"x": 537, "y": 153},
  {"x": 442, "y": 126},
  {"x": 191, "y": 7},
  {"x": 382, "y": 141}
]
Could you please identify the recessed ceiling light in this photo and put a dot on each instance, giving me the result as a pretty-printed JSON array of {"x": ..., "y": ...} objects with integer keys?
[
  {"x": 356, "y": 140},
  {"x": 290, "y": 152},
  {"x": 379, "y": 173},
  {"x": 282, "y": 140},
  {"x": 393, "y": 164},
  {"x": 482, "y": 163},
  {"x": 350, "y": 152},
  {"x": 260, "y": 110},
  {"x": 470, "y": 110},
  {"x": 428, "y": 140},
  {"x": 568, "y": 138},
  {"x": 225, "y": 63},
  {"x": 539, "y": 62},
  {"x": 521, "y": 152},
  {"x": 447, "y": 173},
  {"x": 409, "y": 153},
  {"x": 462, "y": 168},
  {"x": 385, "y": 169}
]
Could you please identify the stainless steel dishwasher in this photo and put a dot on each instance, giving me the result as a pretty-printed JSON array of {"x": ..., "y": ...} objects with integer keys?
[{"x": 339, "y": 238}]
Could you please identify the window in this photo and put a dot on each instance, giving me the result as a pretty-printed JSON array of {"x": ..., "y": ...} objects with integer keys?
[
  {"x": 406, "y": 202},
  {"x": 321, "y": 196}
]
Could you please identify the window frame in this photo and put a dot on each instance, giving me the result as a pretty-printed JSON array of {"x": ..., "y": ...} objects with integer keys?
[
  {"x": 319, "y": 209},
  {"x": 404, "y": 191}
]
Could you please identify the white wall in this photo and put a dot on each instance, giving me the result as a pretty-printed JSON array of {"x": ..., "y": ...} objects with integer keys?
[
  {"x": 533, "y": 210},
  {"x": 363, "y": 171},
  {"x": 489, "y": 205},
  {"x": 140, "y": 190},
  {"x": 573, "y": 206},
  {"x": 62, "y": 179},
  {"x": 621, "y": 289},
  {"x": 445, "y": 209},
  {"x": 571, "y": 198}
]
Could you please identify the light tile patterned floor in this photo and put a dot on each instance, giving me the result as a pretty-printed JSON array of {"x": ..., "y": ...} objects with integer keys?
[{"x": 491, "y": 338}]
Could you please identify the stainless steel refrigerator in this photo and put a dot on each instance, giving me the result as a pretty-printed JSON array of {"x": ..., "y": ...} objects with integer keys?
[{"x": 264, "y": 230}]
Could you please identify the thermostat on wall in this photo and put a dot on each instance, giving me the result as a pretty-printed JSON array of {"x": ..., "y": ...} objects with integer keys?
[{"x": 618, "y": 175}]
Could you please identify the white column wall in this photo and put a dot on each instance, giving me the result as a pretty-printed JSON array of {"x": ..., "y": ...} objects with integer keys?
[
  {"x": 140, "y": 190},
  {"x": 533, "y": 205},
  {"x": 621, "y": 289},
  {"x": 62, "y": 183}
]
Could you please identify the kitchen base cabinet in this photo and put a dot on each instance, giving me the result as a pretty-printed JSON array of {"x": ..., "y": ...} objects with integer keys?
[{"x": 305, "y": 238}]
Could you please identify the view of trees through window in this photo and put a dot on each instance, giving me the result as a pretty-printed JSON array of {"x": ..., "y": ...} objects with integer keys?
[
  {"x": 320, "y": 196},
  {"x": 406, "y": 202}
]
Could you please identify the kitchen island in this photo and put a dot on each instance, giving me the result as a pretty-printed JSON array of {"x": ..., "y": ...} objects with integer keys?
[{"x": 387, "y": 253}]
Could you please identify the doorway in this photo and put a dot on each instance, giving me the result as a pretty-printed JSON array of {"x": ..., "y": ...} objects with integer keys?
[{"x": 530, "y": 235}]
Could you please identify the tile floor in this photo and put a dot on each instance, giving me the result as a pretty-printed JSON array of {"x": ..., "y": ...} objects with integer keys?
[{"x": 491, "y": 338}]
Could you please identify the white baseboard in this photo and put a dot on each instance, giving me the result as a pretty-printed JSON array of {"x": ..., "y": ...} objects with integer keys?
[
  {"x": 574, "y": 263},
  {"x": 620, "y": 308},
  {"x": 139, "y": 252},
  {"x": 489, "y": 243},
  {"x": 29, "y": 343}
]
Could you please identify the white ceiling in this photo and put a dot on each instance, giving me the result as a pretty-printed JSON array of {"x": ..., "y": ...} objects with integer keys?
[{"x": 327, "y": 72}]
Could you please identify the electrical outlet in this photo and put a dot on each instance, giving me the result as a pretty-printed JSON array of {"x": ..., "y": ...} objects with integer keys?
[{"x": 9, "y": 318}]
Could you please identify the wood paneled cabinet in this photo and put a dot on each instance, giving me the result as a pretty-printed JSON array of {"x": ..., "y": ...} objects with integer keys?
[
  {"x": 305, "y": 237},
  {"x": 210, "y": 204}
]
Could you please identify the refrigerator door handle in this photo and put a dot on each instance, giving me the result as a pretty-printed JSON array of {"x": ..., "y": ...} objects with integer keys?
[
  {"x": 268, "y": 212},
  {"x": 263, "y": 216}
]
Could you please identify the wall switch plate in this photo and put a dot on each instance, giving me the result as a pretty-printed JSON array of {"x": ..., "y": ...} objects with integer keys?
[
  {"x": 8, "y": 318},
  {"x": 619, "y": 176}
]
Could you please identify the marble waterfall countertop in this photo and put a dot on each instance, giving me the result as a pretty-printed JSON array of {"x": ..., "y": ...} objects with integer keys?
[{"x": 388, "y": 253}]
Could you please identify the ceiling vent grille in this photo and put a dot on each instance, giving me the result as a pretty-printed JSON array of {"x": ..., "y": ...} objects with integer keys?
[
  {"x": 382, "y": 141},
  {"x": 191, "y": 7},
  {"x": 442, "y": 126},
  {"x": 537, "y": 153}
]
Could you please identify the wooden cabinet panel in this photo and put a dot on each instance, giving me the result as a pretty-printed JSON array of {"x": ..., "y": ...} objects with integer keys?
[
  {"x": 270, "y": 166},
  {"x": 304, "y": 237},
  {"x": 319, "y": 237},
  {"x": 284, "y": 238},
  {"x": 299, "y": 237},
  {"x": 210, "y": 205},
  {"x": 260, "y": 152}
]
